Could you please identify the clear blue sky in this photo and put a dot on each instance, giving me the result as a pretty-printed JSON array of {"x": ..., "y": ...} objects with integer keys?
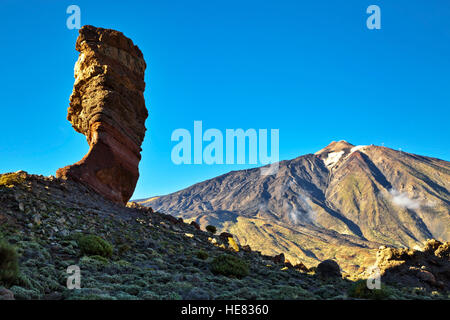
[{"x": 308, "y": 68}]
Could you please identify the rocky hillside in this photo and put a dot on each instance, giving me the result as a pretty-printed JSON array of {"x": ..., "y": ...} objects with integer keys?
[
  {"x": 341, "y": 203},
  {"x": 48, "y": 224}
]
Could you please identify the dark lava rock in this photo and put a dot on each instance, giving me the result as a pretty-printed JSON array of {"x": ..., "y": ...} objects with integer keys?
[
  {"x": 329, "y": 269},
  {"x": 279, "y": 258}
]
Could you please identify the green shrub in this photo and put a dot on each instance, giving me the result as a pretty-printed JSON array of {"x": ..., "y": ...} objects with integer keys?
[
  {"x": 123, "y": 248},
  {"x": 211, "y": 229},
  {"x": 100, "y": 259},
  {"x": 12, "y": 179},
  {"x": 359, "y": 290},
  {"x": 202, "y": 254},
  {"x": 9, "y": 263},
  {"x": 94, "y": 245},
  {"x": 229, "y": 266},
  {"x": 25, "y": 294}
]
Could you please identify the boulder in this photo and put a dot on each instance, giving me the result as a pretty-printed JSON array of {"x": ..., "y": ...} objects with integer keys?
[
  {"x": 443, "y": 251},
  {"x": 195, "y": 225},
  {"x": 6, "y": 294},
  {"x": 171, "y": 219},
  {"x": 431, "y": 245},
  {"x": 428, "y": 268},
  {"x": 301, "y": 267},
  {"x": 225, "y": 235},
  {"x": 279, "y": 258},
  {"x": 107, "y": 105},
  {"x": 329, "y": 269},
  {"x": 427, "y": 276}
]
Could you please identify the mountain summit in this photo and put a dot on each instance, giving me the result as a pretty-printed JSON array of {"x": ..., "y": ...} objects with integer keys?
[
  {"x": 336, "y": 146},
  {"x": 340, "y": 203},
  {"x": 336, "y": 151}
]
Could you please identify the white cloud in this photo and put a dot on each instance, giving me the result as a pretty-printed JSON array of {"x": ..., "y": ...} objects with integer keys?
[
  {"x": 402, "y": 200},
  {"x": 305, "y": 213}
]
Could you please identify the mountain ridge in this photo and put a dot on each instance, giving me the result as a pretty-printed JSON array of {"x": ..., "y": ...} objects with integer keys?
[
  {"x": 53, "y": 224},
  {"x": 368, "y": 195}
]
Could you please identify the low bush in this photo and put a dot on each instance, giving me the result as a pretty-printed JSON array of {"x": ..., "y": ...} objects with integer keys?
[
  {"x": 360, "y": 290},
  {"x": 123, "y": 249},
  {"x": 229, "y": 266},
  {"x": 9, "y": 264},
  {"x": 12, "y": 179},
  {"x": 202, "y": 254},
  {"x": 94, "y": 245},
  {"x": 100, "y": 259}
]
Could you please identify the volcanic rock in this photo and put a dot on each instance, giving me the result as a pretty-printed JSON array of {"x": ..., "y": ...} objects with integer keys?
[
  {"x": 429, "y": 267},
  {"x": 107, "y": 106},
  {"x": 329, "y": 269},
  {"x": 224, "y": 236},
  {"x": 195, "y": 225},
  {"x": 300, "y": 266},
  {"x": 279, "y": 258},
  {"x": 6, "y": 294}
]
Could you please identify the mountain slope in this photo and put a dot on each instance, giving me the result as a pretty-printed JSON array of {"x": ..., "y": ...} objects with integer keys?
[
  {"x": 339, "y": 203},
  {"x": 48, "y": 222}
]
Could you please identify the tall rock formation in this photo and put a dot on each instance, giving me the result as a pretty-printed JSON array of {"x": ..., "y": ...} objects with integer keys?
[{"x": 107, "y": 105}]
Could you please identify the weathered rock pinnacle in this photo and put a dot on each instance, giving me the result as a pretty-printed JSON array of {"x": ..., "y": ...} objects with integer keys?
[{"x": 107, "y": 105}]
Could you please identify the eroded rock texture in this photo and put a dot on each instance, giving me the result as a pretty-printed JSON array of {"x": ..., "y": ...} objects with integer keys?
[
  {"x": 107, "y": 106},
  {"x": 428, "y": 267}
]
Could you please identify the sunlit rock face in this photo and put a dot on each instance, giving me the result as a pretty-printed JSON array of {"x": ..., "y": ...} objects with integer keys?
[{"x": 107, "y": 105}]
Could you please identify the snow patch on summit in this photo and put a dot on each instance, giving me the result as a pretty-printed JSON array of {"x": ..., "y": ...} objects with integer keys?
[
  {"x": 357, "y": 148},
  {"x": 333, "y": 158}
]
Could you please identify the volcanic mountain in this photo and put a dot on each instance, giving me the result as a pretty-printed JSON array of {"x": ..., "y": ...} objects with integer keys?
[{"x": 342, "y": 202}]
